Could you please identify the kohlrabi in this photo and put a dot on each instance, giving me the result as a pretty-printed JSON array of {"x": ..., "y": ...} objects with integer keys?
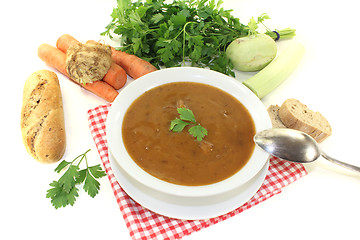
[{"x": 252, "y": 53}]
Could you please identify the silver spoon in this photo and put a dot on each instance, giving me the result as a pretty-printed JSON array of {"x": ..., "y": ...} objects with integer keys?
[{"x": 293, "y": 145}]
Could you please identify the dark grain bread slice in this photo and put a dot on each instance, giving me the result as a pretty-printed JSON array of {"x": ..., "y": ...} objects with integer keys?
[
  {"x": 276, "y": 122},
  {"x": 296, "y": 115}
]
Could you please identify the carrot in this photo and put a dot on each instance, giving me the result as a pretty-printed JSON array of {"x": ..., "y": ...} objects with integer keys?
[
  {"x": 53, "y": 57},
  {"x": 65, "y": 41},
  {"x": 116, "y": 75},
  {"x": 57, "y": 59},
  {"x": 133, "y": 65}
]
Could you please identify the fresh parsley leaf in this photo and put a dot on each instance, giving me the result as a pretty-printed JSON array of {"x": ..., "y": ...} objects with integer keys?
[
  {"x": 64, "y": 191},
  {"x": 186, "y": 114},
  {"x": 97, "y": 171},
  {"x": 82, "y": 176},
  {"x": 68, "y": 180},
  {"x": 198, "y": 132},
  {"x": 187, "y": 117},
  {"x": 61, "y": 198},
  {"x": 178, "y": 20},
  {"x": 61, "y": 166},
  {"x": 157, "y": 18},
  {"x": 177, "y": 125},
  {"x": 71, "y": 197},
  {"x": 91, "y": 185},
  {"x": 55, "y": 190},
  {"x": 166, "y": 54}
]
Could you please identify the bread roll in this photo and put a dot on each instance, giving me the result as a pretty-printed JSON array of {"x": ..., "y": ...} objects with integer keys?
[
  {"x": 295, "y": 115},
  {"x": 42, "y": 117}
]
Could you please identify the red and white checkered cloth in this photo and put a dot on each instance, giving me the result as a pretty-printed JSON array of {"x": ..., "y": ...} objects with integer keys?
[{"x": 144, "y": 224}]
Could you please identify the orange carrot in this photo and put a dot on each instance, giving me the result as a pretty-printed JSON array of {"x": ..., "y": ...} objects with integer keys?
[
  {"x": 133, "y": 65},
  {"x": 57, "y": 59},
  {"x": 53, "y": 57},
  {"x": 116, "y": 75},
  {"x": 65, "y": 41}
]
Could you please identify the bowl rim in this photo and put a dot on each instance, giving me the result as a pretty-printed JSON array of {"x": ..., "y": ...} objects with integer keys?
[{"x": 185, "y": 74}]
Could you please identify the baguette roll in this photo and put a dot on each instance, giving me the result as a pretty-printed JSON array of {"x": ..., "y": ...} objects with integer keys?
[{"x": 42, "y": 117}]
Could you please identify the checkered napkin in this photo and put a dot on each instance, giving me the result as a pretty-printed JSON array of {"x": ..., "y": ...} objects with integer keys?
[{"x": 145, "y": 224}]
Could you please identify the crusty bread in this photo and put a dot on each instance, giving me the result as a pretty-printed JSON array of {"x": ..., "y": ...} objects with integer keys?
[
  {"x": 297, "y": 115},
  {"x": 42, "y": 117},
  {"x": 276, "y": 122}
]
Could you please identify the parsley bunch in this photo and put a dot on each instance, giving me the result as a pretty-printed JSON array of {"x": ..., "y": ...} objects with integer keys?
[
  {"x": 172, "y": 34},
  {"x": 64, "y": 191}
]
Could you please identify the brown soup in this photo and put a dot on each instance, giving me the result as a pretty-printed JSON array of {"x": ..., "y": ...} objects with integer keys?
[{"x": 178, "y": 157}]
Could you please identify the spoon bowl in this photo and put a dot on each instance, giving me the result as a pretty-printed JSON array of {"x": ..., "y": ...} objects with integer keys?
[
  {"x": 294, "y": 145},
  {"x": 288, "y": 144}
]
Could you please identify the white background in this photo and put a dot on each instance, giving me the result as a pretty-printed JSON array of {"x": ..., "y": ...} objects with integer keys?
[{"x": 324, "y": 204}]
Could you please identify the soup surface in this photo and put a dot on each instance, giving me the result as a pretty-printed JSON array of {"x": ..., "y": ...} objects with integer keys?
[{"x": 177, "y": 157}]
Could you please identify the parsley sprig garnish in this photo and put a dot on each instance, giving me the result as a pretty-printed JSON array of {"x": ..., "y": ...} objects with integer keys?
[
  {"x": 64, "y": 191},
  {"x": 186, "y": 118}
]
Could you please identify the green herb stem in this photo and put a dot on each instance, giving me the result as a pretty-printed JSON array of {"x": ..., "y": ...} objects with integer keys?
[{"x": 82, "y": 157}]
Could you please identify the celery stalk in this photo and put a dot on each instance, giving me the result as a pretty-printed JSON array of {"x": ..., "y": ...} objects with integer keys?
[{"x": 277, "y": 71}]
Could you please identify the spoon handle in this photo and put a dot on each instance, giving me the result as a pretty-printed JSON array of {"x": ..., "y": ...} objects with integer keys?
[{"x": 346, "y": 165}]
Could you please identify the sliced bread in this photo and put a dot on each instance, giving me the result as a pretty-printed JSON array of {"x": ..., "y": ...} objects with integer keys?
[
  {"x": 296, "y": 115},
  {"x": 276, "y": 122}
]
